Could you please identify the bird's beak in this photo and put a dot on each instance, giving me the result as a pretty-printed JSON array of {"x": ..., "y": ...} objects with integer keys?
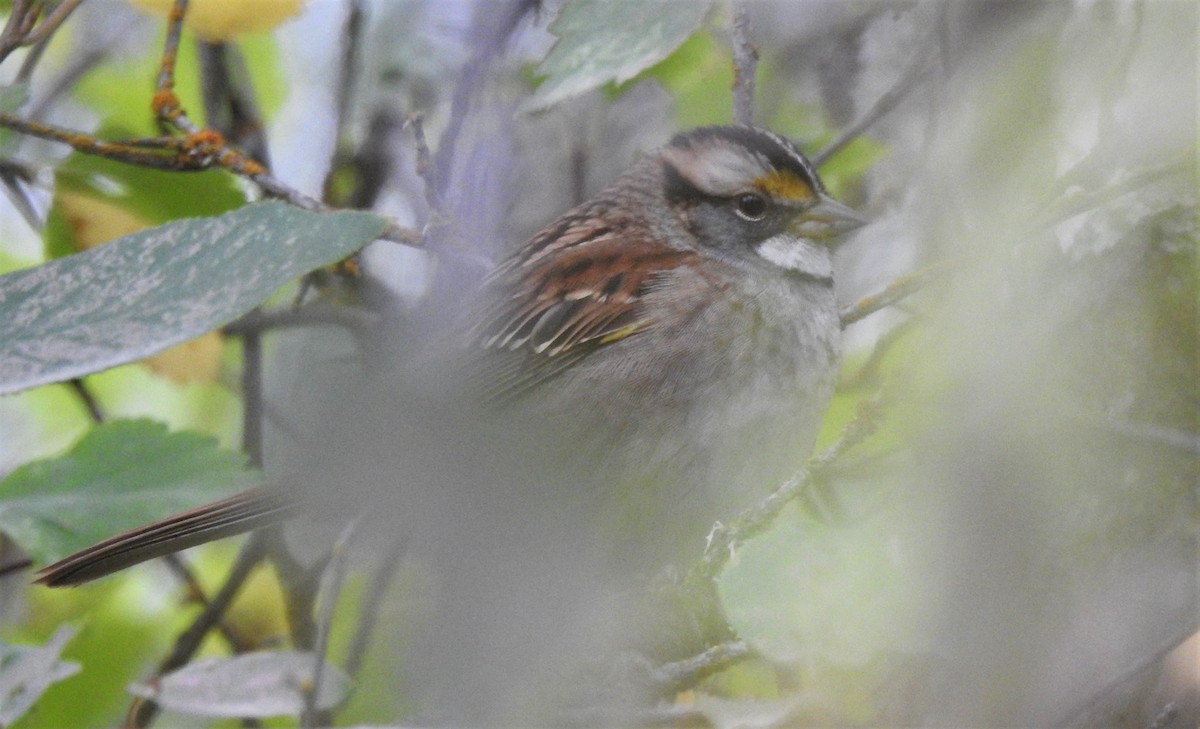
[{"x": 826, "y": 219}]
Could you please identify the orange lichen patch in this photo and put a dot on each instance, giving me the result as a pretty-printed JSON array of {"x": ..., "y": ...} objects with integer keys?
[
  {"x": 164, "y": 101},
  {"x": 196, "y": 360},
  {"x": 206, "y": 138},
  {"x": 785, "y": 185},
  {"x": 242, "y": 164}
]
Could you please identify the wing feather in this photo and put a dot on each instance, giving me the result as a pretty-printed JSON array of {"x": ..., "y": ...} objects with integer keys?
[{"x": 574, "y": 288}]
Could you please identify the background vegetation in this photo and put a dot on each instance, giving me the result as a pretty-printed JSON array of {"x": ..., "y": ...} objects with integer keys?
[{"x": 1006, "y": 534}]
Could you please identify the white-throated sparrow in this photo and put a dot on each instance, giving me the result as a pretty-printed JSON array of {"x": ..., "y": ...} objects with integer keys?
[
  {"x": 684, "y": 317},
  {"x": 662, "y": 352}
]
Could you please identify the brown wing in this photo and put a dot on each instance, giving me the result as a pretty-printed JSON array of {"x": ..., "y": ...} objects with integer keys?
[{"x": 572, "y": 289}]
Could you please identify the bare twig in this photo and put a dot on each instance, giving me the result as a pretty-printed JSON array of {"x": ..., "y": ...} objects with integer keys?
[
  {"x": 357, "y": 321},
  {"x": 868, "y": 373},
  {"x": 368, "y": 616},
  {"x": 84, "y": 393},
  {"x": 908, "y": 80},
  {"x": 189, "y": 641},
  {"x": 425, "y": 166},
  {"x": 724, "y": 538},
  {"x": 490, "y": 30},
  {"x": 21, "y": 19},
  {"x": 230, "y": 106},
  {"x": 901, "y": 288},
  {"x": 252, "y": 398},
  {"x": 671, "y": 678},
  {"x": 1064, "y": 206},
  {"x": 745, "y": 63},
  {"x": 15, "y": 177},
  {"x": 196, "y": 594},
  {"x": 347, "y": 65},
  {"x": 51, "y": 23},
  {"x": 331, "y": 587}
]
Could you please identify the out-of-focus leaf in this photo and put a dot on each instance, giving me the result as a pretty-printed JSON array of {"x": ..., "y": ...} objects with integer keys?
[
  {"x": 97, "y": 199},
  {"x": 601, "y": 42},
  {"x": 254, "y": 685},
  {"x": 144, "y": 292},
  {"x": 26, "y": 672},
  {"x": 788, "y": 592},
  {"x": 121, "y": 474},
  {"x": 126, "y": 106},
  {"x": 697, "y": 74}
]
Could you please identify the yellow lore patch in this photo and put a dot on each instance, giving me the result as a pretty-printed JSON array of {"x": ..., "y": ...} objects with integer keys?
[{"x": 785, "y": 185}]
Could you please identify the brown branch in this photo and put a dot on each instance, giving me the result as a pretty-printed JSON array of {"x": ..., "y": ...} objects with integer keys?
[
  {"x": 47, "y": 27},
  {"x": 745, "y": 63}
]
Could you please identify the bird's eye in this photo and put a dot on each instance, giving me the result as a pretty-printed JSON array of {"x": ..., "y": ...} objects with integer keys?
[{"x": 751, "y": 206}]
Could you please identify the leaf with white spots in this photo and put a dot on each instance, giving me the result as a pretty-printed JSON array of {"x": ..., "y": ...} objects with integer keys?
[
  {"x": 147, "y": 291},
  {"x": 253, "y": 685}
]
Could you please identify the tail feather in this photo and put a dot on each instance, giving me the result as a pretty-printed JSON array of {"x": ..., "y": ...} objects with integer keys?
[{"x": 228, "y": 517}]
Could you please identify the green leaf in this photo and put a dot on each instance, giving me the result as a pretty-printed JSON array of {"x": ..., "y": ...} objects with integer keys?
[
  {"x": 121, "y": 474},
  {"x": 26, "y": 672},
  {"x": 600, "y": 41},
  {"x": 144, "y": 292},
  {"x": 258, "y": 685}
]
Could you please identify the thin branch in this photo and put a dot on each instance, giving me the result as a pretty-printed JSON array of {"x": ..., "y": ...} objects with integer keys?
[
  {"x": 252, "y": 398},
  {"x": 908, "y": 80},
  {"x": 357, "y": 321},
  {"x": 65, "y": 80},
  {"x": 331, "y": 587},
  {"x": 425, "y": 166},
  {"x": 671, "y": 678},
  {"x": 724, "y": 538},
  {"x": 189, "y": 641},
  {"x": 197, "y": 595},
  {"x": 901, "y": 288},
  {"x": 347, "y": 65},
  {"x": 368, "y": 616},
  {"x": 14, "y": 178},
  {"x": 85, "y": 396},
  {"x": 1064, "y": 206},
  {"x": 745, "y": 63},
  {"x": 47, "y": 27},
  {"x": 21, "y": 19}
]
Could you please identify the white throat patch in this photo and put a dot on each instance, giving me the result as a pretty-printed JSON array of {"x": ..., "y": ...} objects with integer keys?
[{"x": 797, "y": 254}]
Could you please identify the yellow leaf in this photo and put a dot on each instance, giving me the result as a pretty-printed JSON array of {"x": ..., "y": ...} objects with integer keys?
[
  {"x": 196, "y": 360},
  {"x": 221, "y": 20},
  {"x": 95, "y": 220}
]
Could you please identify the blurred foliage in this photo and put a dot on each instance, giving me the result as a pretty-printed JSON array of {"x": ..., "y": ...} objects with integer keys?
[{"x": 1027, "y": 510}]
